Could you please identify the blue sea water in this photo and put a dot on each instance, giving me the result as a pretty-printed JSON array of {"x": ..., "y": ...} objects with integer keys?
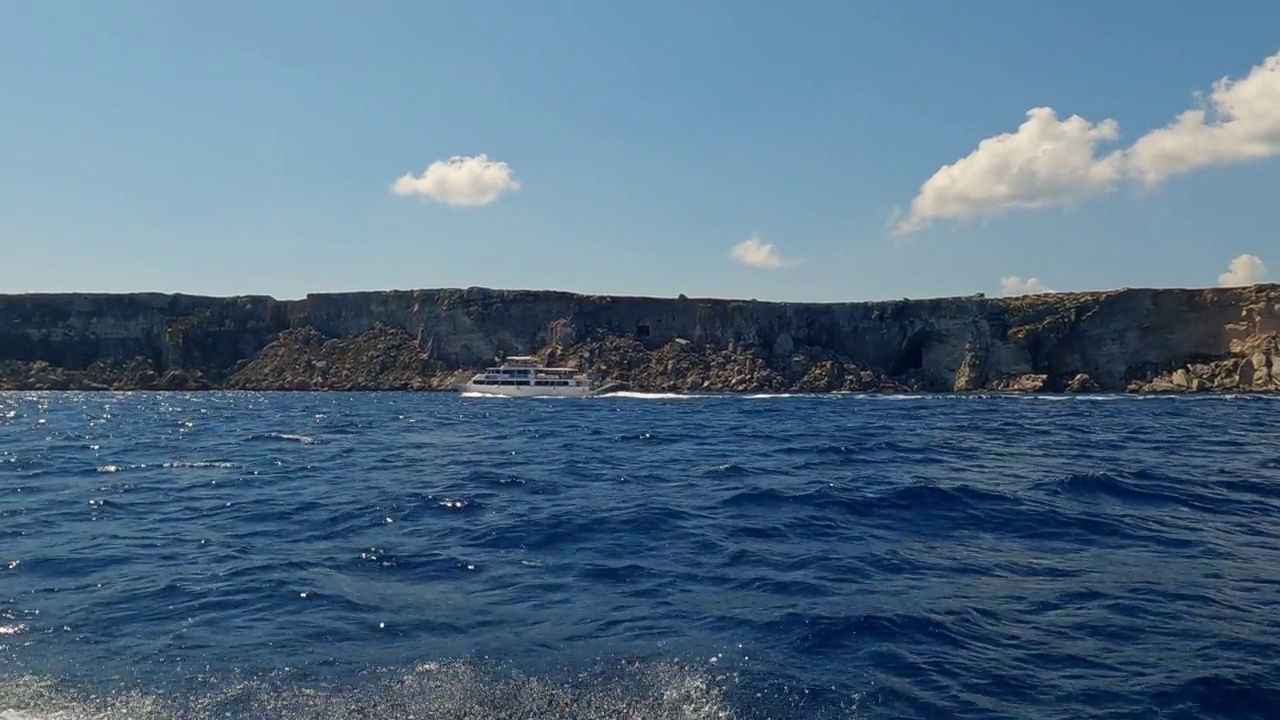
[{"x": 398, "y": 555}]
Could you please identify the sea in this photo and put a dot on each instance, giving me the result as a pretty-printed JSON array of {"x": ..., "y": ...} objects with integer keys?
[{"x": 423, "y": 555}]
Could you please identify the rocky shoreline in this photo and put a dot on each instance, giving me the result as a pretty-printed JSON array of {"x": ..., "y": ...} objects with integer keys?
[
  {"x": 1149, "y": 341},
  {"x": 388, "y": 359}
]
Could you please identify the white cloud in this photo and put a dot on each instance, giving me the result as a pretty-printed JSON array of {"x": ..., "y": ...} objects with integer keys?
[
  {"x": 1244, "y": 269},
  {"x": 1014, "y": 285},
  {"x": 757, "y": 253},
  {"x": 1051, "y": 162},
  {"x": 1045, "y": 162},
  {"x": 1240, "y": 121},
  {"x": 459, "y": 181}
]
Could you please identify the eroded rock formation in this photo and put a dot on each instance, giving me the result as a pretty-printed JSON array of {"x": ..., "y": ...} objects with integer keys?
[{"x": 1121, "y": 341}]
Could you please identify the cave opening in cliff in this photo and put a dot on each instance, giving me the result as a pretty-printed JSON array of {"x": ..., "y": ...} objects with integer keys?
[{"x": 912, "y": 358}]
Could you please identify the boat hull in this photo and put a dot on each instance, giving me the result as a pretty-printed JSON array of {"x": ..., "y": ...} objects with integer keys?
[{"x": 527, "y": 390}]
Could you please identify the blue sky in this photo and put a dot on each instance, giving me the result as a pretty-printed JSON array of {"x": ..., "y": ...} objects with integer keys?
[{"x": 626, "y": 148}]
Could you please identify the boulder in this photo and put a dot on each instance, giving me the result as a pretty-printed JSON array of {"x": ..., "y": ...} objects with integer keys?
[
  {"x": 1081, "y": 383},
  {"x": 1027, "y": 383}
]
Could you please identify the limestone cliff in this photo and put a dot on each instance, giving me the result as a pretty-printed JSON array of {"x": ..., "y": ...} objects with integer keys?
[{"x": 1126, "y": 340}]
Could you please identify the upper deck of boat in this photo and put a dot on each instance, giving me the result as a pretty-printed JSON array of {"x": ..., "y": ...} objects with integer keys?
[{"x": 524, "y": 363}]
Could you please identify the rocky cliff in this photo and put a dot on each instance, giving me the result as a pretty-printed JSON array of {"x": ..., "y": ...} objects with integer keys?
[{"x": 1136, "y": 340}]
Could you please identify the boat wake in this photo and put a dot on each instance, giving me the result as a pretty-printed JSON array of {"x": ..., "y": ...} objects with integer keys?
[{"x": 634, "y": 395}]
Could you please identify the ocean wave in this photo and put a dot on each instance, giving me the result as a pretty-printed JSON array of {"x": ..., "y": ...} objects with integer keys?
[{"x": 298, "y": 555}]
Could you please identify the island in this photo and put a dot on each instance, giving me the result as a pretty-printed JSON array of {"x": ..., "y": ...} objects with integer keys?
[{"x": 1119, "y": 341}]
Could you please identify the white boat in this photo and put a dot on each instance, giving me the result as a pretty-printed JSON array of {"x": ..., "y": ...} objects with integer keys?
[{"x": 523, "y": 376}]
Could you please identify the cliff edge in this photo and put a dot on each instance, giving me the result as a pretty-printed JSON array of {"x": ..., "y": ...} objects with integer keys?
[{"x": 1132, "y": 340}]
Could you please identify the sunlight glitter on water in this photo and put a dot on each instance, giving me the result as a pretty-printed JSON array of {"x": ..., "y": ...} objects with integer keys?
[{"x": 435, "y": 690}]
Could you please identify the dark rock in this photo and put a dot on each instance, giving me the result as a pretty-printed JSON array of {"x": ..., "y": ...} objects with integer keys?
[
  {"x": 784, "y": 346},
  {"x": 384, "y": 358}
]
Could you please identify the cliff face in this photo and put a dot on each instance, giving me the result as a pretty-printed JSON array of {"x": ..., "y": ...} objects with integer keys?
[{"x": 1139, "y": 340}]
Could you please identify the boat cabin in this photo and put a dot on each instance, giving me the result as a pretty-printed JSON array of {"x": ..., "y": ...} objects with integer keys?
[{"x": 524, "y": 370}]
